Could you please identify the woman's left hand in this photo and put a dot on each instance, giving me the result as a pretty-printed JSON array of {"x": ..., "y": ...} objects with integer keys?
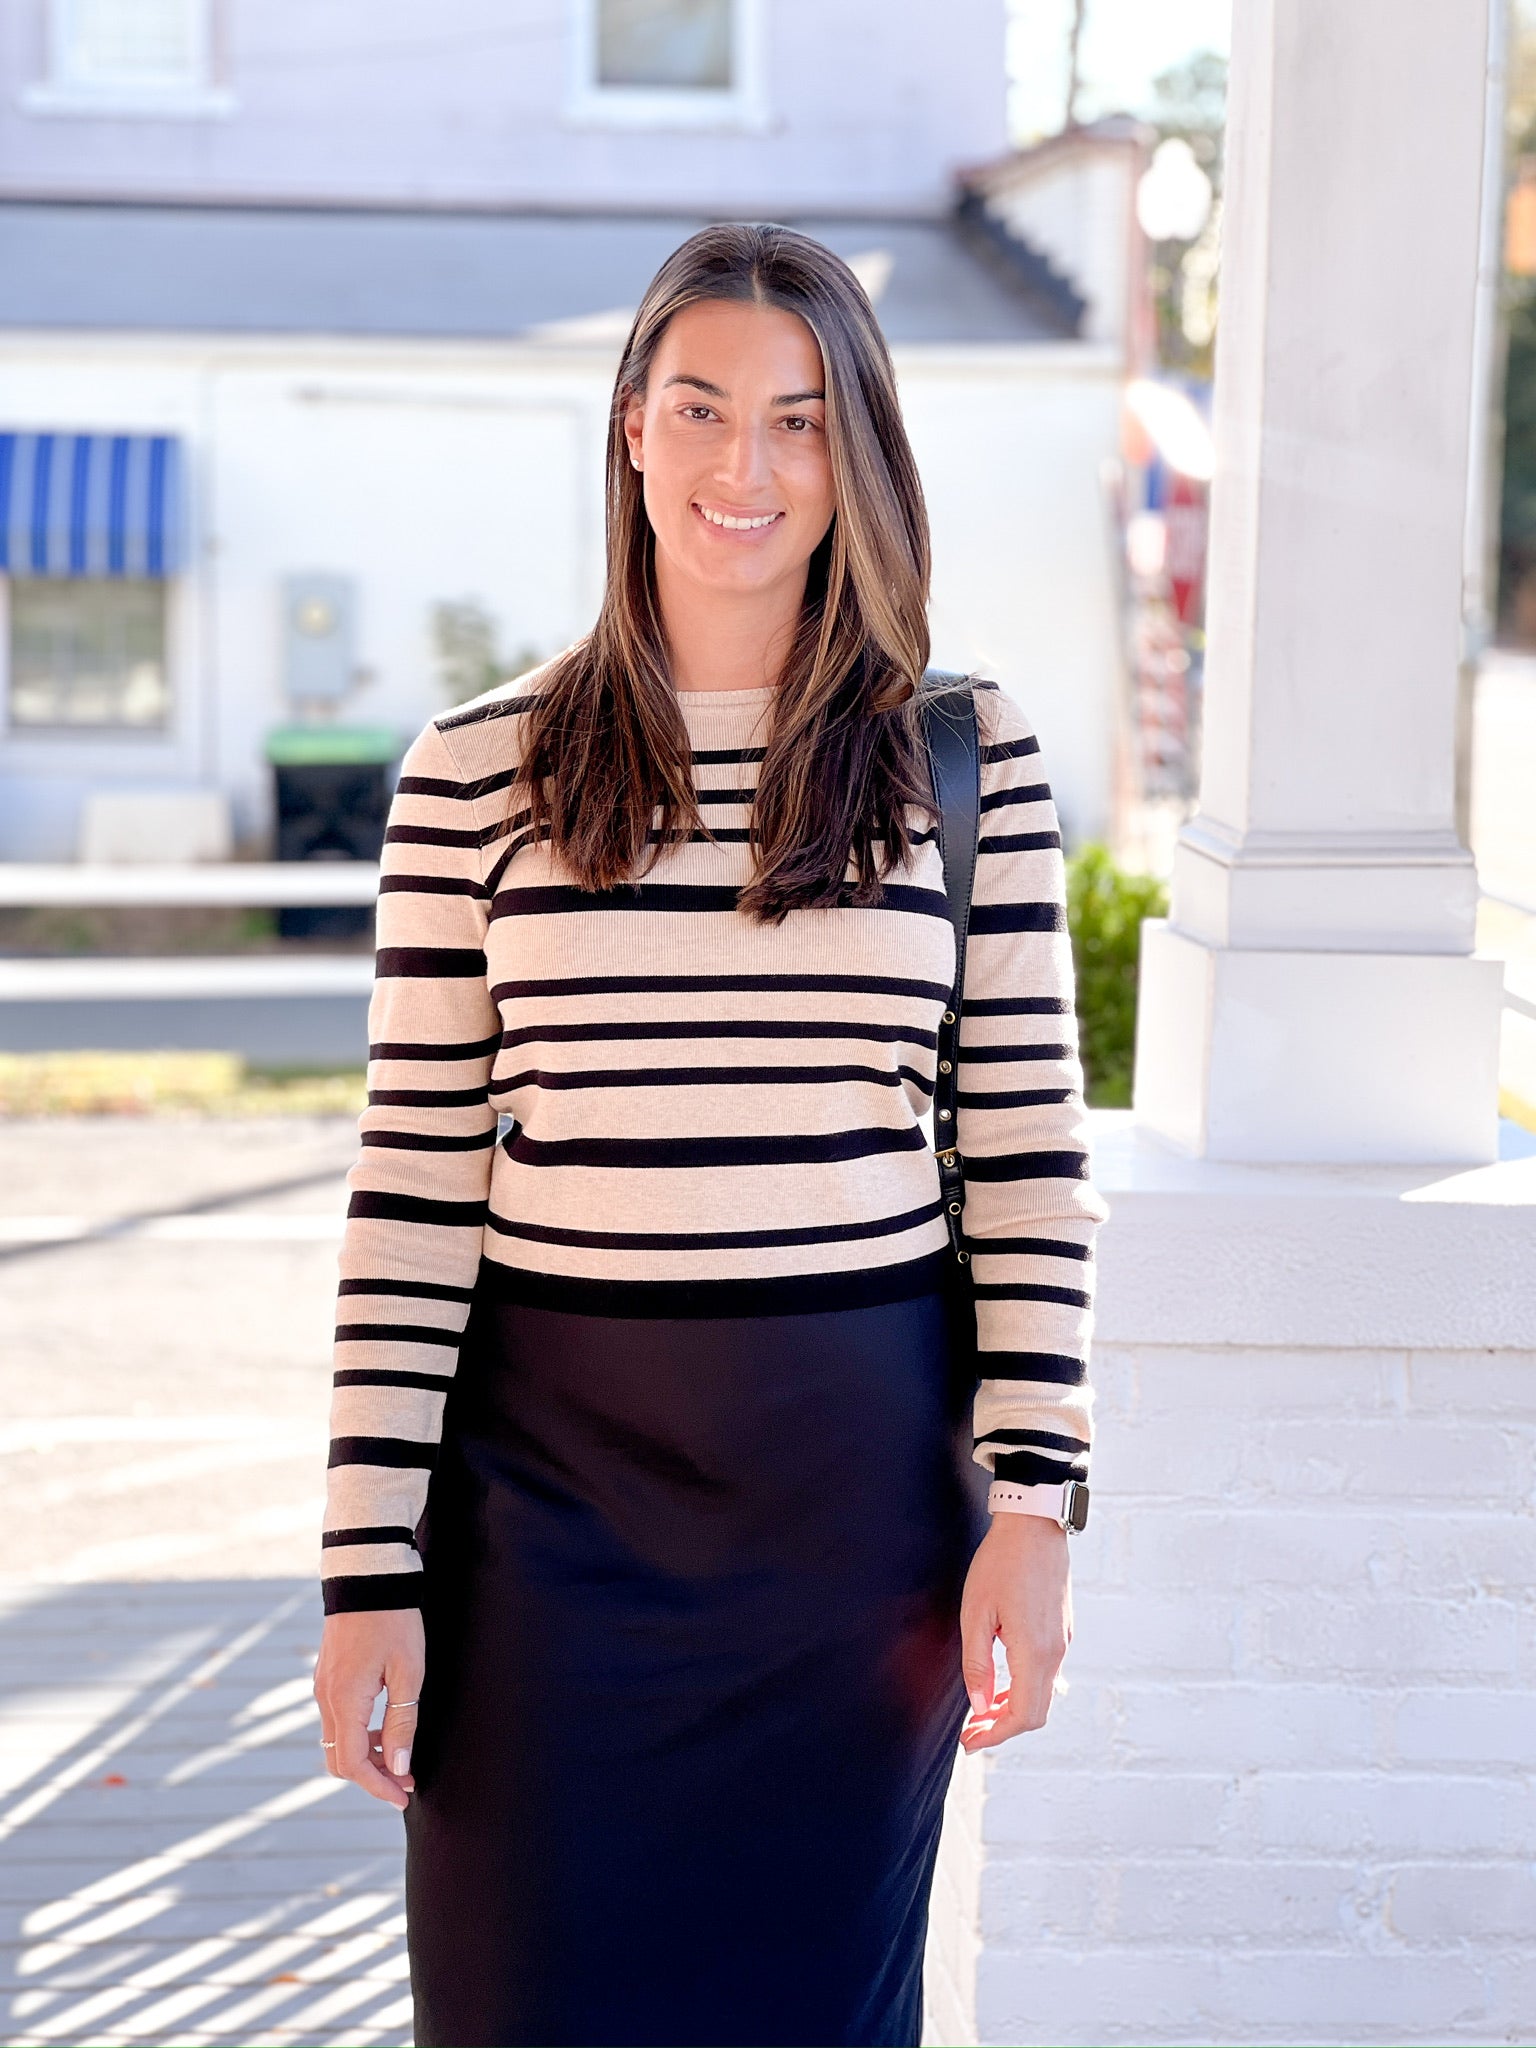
[{"x": 1018, "y": 1587}]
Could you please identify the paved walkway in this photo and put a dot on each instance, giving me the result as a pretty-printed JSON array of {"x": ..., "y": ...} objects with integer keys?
[{"x": 174, "y": 1864}]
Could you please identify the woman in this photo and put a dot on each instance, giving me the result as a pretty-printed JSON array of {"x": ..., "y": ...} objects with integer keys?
[{"x": 673, "y": 1740}]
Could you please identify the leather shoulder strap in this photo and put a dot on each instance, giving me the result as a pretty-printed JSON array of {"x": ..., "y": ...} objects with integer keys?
[{"x": 948, "y": 710}]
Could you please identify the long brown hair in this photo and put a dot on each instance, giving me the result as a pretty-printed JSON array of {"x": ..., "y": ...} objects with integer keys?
[{"x": 606, "y": 743}]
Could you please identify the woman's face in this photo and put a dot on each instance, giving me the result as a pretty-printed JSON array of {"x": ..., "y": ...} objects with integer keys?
[{"x": 731, "y": 438}]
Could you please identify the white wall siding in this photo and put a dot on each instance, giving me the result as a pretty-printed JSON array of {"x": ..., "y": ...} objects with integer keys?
[
  {"x": 439, "y": 471},
  {"x": 470, "y": 102},
  {"x": 1288, "y": 1794},
  {"x": 1010, "y": 444}
]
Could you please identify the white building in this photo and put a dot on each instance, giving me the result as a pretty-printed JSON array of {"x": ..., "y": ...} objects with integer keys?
[{"x": 365, "y": 270}]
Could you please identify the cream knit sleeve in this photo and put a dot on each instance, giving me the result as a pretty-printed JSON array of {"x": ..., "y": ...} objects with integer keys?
[
  {"x": 1031, "y": 1211},
  {"x": 411, "y": 1247}
]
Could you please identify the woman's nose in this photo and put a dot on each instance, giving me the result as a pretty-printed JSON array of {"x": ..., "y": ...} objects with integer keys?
[{"x": 745, "y": 460}]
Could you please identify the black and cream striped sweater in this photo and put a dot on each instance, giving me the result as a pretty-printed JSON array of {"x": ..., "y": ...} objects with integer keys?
[{"x": 703, "y": 1115}]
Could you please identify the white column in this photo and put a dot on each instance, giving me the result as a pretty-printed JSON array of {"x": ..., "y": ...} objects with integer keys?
[{"x": 1313, "y": 994}]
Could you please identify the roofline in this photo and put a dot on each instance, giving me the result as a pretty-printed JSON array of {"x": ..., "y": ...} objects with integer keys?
[
  {"x": 1111, "y": 135},
  {"x": 468, "y": 209}
]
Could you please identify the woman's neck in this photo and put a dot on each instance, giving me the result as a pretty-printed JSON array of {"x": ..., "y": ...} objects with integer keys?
[{"x": 726, "y": 639}]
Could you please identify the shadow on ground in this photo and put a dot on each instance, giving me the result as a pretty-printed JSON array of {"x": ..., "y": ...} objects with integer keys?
[{"x": 174, "y": 1864}]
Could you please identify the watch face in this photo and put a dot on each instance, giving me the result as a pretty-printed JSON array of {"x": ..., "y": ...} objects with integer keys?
[{"x": 1077, "y": 1507}]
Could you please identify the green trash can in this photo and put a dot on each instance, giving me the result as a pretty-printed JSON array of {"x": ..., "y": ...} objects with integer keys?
[{"x": 333, "y": 786}]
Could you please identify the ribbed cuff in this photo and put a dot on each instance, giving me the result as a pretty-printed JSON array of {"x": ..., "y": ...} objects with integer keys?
[{"x": 371, "y": 1592}]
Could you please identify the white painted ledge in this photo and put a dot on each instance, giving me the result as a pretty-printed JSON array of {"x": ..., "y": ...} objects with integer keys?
[
  {"x": 1204, "y": 1252},
  {"x": 226, "y": 884},
  {"x": 88, "y": 979}
]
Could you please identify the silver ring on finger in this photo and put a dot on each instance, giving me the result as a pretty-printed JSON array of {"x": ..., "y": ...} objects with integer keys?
[{"x": 394, "y": 1706}]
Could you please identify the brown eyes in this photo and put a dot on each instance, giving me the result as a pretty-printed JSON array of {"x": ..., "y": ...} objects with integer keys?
[{"x": 796, "y": 422}]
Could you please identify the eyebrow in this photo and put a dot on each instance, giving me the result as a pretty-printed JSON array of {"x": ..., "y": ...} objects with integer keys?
[{"x": 714, "y": 391}]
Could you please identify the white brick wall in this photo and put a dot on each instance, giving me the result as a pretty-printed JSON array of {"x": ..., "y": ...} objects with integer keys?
[{"x": 1288, "y": 1793}]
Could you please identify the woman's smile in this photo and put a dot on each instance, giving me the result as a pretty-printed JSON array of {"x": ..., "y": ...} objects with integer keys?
[{"x": 731, "y": 519}]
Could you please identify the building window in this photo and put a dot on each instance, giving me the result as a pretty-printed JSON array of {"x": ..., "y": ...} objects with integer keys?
[
  {"x": 144, "y": 44},
  {"x": 129, "y": 56},
  {"x": 87, "y": 653},
  {"x": 668, "y": 63},
  {"x": 673, "y": 45}
]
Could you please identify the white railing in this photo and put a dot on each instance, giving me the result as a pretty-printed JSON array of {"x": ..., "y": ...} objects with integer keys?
[
  {"x": 186, "y": 977},
  {"x": 272, "y": 884}
]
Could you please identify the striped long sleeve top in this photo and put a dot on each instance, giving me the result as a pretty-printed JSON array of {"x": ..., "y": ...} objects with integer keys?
[{"x": 641, "y": 1102}]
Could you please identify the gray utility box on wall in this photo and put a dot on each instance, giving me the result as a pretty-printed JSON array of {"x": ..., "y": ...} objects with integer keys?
[{"x": 319, "y": 637}]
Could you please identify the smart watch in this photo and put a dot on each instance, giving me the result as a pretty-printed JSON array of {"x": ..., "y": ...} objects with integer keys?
[{"x": 1066, "y": 1504}]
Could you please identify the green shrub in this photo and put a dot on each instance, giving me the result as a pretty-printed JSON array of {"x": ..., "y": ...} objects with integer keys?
[{"x": 1105, "y": 907}]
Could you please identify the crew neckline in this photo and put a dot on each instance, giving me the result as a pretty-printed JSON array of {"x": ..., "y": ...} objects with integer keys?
[{"x": 716, "y": 700}]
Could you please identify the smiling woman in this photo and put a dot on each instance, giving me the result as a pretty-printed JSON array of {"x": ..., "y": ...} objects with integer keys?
[{"x": 653, "y": 1407}]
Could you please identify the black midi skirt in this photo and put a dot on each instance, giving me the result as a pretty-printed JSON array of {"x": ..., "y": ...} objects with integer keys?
[{"x": 693, "y": 1679}]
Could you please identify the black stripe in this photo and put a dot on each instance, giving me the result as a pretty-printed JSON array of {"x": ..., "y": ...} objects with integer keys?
[
  {"x": 1055, "y": 1367},
  {"x": 337, "y": 1539},
  {"x": 429, "y": 885},
  {"x": 1028, "y": 1166},
  {"x": 1030, "y": 1468},
  {"x": 1018, "y": 917},
  {"x": 1018, "y": 842},
  {"x": 426, "y": 1098},
  {"x": 686, "y": 1153},
  {"x": 473, "y": 1049},
  {"x": 397, "y": 1452},
  {"x": 1006, "y": 1055},
  {"x": 709, "y": 984},
  {"x": 1035, "y": 1439},
  {"x": 714, "y": 757},
  {"x": 1025, "y": 793},
  {"x": 433, "y": 835},
  {"x": 382, "y": 1376},
  {"x": 1028, "y": 1248},
  {"x": 1012, "y": 1098},
  {"x": 714, "y": 1240},
  {"x": 715, "y": 1027},
  {"x": 559, "y": 899},
  {"x": 787, "y": 1294},
  {"x": 428, "y": 1141},
  {"x": 414, "y": 1290},
  {"x": 437, "y": 963},
  {"x": 503, "y": 707},
  {"x": 429, "y": 785},
  {"x": 396, "y": 1333},
  {"x": 391, "y": 1208},
  {"x": 1010, "y": 750},
  {"x": 1029, "y": 1290},
  {"x": 723, "y": 796},
  {"x": 1017, "y": 1006},
  {"x": 372, "y": 1592},
  {"x": 461, "y": 792},
  {"x": 706, "y": 1077}
]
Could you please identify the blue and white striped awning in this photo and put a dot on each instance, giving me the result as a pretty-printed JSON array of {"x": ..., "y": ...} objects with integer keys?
[{"x": 92, "y": 504}]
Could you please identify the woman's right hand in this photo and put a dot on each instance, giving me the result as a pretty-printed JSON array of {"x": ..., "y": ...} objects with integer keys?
[{"x": 362, "y": 1655}]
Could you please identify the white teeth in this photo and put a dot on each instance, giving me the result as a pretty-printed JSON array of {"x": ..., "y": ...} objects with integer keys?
[{"x": 737, "y": 525}]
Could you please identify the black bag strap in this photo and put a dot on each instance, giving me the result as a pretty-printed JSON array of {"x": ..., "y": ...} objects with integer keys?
[{"x": 948, "y": 710}]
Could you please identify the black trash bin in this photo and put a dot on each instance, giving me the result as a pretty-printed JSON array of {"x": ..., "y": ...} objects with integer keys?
[{"x": 333, "y": 790}]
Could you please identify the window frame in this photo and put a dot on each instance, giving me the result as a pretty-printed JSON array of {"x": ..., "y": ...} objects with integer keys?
[
  {"x": 109, "y": 731},
  {"x": 198, "y": 95},
  {"x": 132, "y": 754},
  {"x": 741, "y": 106}
]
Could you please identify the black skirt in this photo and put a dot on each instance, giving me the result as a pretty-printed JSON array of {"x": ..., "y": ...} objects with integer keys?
[{"x": 693, "y": 1676}]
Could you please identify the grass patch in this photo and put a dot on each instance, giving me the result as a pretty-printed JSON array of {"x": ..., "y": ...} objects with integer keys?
[{"x": 172, "y": 1084}]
